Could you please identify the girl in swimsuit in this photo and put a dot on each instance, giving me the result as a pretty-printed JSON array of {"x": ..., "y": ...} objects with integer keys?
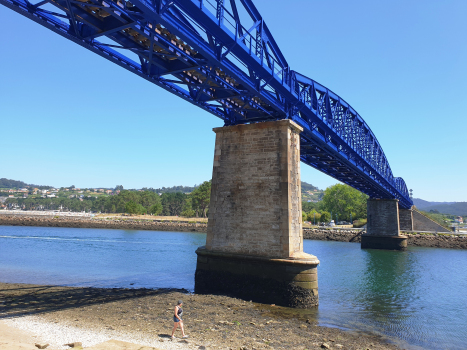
[{"x": 178, "y": 312}]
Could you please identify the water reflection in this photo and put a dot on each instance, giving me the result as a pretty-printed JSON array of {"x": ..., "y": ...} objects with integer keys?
[
  {"x": 388, "y": 283},
  {"x": 415, "y": 297},
  {"x": 387, "y": 289}
]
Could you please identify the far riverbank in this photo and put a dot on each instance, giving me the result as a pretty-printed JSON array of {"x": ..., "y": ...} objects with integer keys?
[
  {"x": 120, "y": 223},
  {"x": 418, "y": 239}
]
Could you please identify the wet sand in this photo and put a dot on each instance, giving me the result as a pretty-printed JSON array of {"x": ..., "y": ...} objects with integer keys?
[{"x": 215, "y": 322}]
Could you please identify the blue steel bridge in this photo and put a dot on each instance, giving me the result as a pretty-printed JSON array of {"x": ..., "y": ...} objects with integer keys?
[{"x": 220, "y": 56}]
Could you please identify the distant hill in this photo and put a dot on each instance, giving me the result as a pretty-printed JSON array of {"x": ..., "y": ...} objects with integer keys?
[
  {"x": 452, "y": 208},
  {"x": 422, "y": 204},
  {"x": 311, "y": 193},
  {"x": 7, "y": 183},
  {"x": 308, "y": 187},
  {"x": 457, "y": 208}
]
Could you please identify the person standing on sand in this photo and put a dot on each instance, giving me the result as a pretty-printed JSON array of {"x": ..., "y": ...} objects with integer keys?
[{"x": 178, "y": 312}]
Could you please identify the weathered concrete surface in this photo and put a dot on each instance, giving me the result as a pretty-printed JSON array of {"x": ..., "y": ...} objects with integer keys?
[
  {"x": 255, "y": 218},
  {"x": 383, "y": 226},
  {"x": 384, "y": 242},
  {"x": 405, "y": 220},
  {"x": 286, "y": 282},
  {"x": 422, "y": 223},
  {"x": 383, "y": 217},
  {"x": 255, "y": 206}
]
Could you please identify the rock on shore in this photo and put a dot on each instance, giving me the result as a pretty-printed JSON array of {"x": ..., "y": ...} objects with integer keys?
[
  {"x": 62, "y": 315},
  {"x": 417, "y": 239},
  {"x": 340, "y": 235},
  {"x": 79, "y": 222}
]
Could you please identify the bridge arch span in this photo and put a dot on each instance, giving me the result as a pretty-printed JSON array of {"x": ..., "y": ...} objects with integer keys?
[{"x": 221, "y": 56}]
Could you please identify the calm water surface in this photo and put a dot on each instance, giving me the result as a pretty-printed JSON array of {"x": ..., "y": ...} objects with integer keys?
[{"x": 419, "y": 296}]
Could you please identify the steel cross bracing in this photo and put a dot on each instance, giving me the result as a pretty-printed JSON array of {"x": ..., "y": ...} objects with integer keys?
[{"x": 221, "y": 56}]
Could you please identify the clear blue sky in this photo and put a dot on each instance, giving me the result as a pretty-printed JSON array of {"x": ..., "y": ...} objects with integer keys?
[{"x": 70, "y": 117}]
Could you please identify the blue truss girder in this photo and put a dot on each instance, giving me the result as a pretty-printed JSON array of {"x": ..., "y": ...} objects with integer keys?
[{"x": 221, "y": 56}]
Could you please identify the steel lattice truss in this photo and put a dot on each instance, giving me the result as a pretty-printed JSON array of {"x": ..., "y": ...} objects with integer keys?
[{"x": 221, "y": 56}]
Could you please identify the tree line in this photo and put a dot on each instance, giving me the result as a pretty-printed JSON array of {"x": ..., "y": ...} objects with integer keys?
[
  {"x": 343, "y": 202},
  {"x": 193, "y": 204}
]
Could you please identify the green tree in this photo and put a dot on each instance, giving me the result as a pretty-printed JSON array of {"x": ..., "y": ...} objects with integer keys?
[
  {"x": 134, "y": 208},
  {"x": 155, "y": 209},
  {"x": 201, "y": 197},
  {"x": 172, "y": 203},
  {"x": 188, "y": 211},
  {"x": 131, "y": 207},
  {"x": 325, "y": 217},
  {"x": 149, "y": 198},
  {"x": 127, "y": 196},
  {"x": 309, "y": 206},
  {"x": 344, "y": 200},
  {"x": 313, "y": 215}
]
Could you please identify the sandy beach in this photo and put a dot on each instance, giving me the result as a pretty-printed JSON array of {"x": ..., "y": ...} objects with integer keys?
[{"x": 55, "y": 315}]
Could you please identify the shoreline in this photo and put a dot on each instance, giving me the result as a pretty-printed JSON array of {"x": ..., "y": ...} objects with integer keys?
[
  {"x": 105, "y": 223},
  {"x": 91, "y": 315},
  {"x": 414, "y": 239},
  {"x": 417, "y": 239}
]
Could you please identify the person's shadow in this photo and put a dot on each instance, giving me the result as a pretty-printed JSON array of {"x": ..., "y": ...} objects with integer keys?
[{"x": 165, "y": 336}]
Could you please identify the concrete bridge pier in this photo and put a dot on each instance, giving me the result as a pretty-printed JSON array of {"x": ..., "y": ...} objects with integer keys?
[
  {"x": 406, "y": 222},
  {"x": 254, "y": 243},
  {"x": 383, "y": 228}
]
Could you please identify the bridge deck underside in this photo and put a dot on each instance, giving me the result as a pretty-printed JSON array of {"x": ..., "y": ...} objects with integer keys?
[
  {"x": 333, "y": 166},
  {"x": 220, "y": 56}
]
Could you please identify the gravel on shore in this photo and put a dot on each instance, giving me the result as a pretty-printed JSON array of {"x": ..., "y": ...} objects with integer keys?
[
  {"x": 144, "y": 316},
  {"x": 59, "y": 334}
]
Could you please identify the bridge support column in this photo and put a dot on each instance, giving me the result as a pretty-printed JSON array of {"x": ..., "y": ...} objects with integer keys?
[
  {"x": 406, "y": 219},
  {"x": 383, "y": 226},
  {"x": 254, "y": 244}
]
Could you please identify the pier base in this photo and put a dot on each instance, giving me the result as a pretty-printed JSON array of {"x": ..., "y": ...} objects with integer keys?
[
  {"x": 254, "y": 242},
  {"x": 285, "y": 282},
  {"x": 383, "y": 226},
  {"x": 384, "y": 242}
]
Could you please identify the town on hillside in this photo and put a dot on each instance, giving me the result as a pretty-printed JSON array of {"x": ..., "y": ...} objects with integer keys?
[{"x": 319, "y": 207}]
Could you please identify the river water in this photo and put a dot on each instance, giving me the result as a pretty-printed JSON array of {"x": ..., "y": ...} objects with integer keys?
[{"x": 418, "y": 296}]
